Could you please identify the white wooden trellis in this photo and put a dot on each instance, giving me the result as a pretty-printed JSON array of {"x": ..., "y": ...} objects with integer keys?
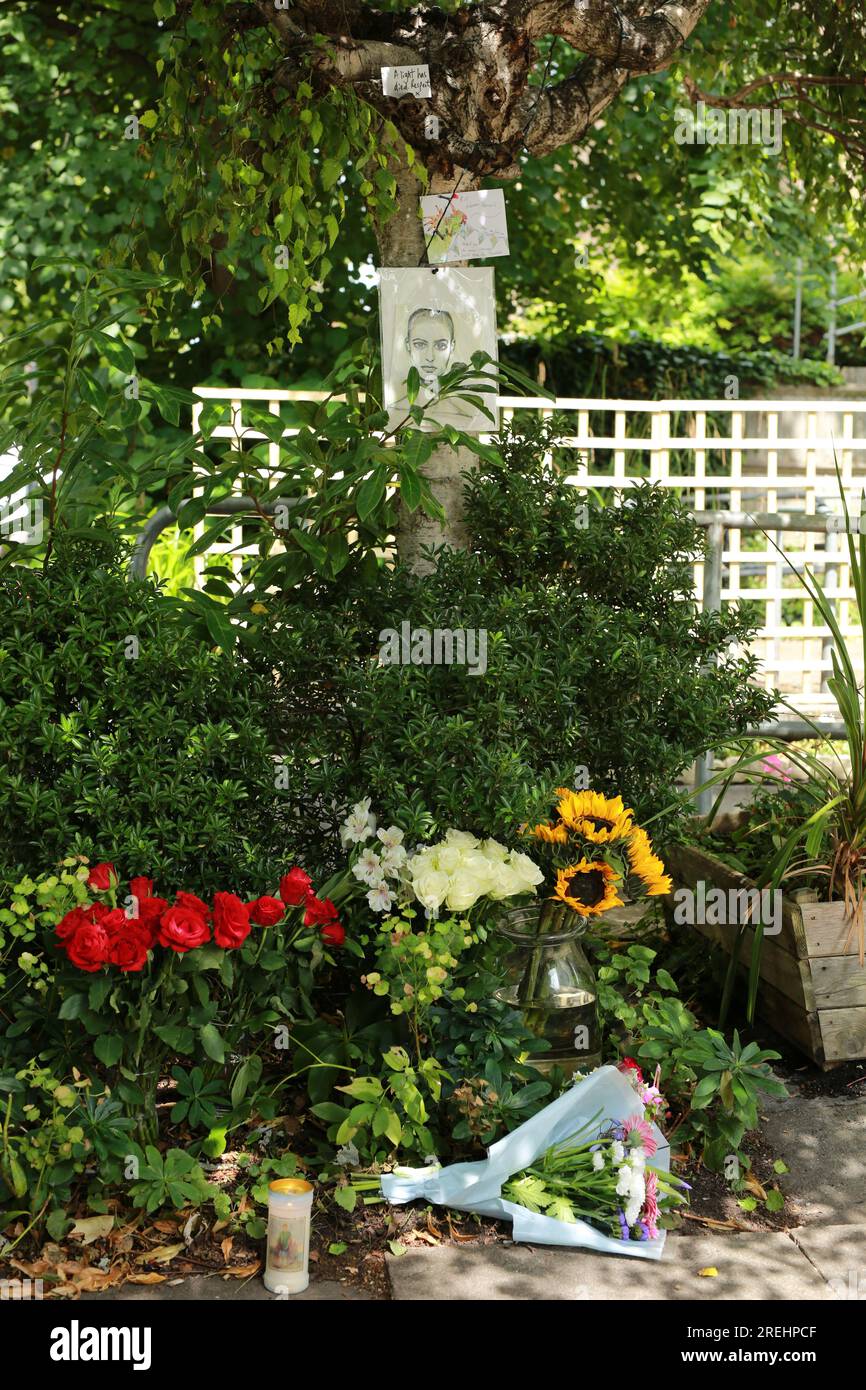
[{"x": 747, "y": 455}]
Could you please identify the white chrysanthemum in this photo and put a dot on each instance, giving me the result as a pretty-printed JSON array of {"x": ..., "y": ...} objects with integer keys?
[
  {"x": 624, "y": 1181},
  {"x": 598, "y": 1160},
  {"x": 617, "y": 1152}
]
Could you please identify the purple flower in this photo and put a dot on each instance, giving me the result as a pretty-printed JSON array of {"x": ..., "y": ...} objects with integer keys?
[{"x": 623, "y": 1223}]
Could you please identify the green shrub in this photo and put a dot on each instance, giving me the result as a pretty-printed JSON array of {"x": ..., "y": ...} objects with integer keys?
[
  {"x": 122, "y": 737},
  {"x": 596, "y": 658}
]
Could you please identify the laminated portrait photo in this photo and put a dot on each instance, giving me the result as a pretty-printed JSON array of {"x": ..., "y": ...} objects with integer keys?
[{"x": 432, "y": 319}]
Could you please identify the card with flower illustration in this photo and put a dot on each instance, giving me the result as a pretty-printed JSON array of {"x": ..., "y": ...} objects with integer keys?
[{"x": 464, "y": 226}]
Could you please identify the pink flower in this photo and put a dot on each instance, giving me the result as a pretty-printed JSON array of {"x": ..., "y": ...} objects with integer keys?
[
  {"x": 652, "y": 1099},
  {"x": 638, "y": 1134},
  {"x": 650, "y": 1213},
  {"x": 772, "y": 766}
]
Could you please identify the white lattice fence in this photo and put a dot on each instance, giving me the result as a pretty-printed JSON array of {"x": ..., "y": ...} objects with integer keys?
[{"x": 750, "y": 456}]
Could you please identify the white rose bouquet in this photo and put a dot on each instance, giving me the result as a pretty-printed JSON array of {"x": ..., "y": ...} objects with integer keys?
[{"x": 454, "y": 874}]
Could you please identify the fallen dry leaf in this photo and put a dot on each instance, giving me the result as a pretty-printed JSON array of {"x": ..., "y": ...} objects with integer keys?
[
  {"x": 91, "y": 1228},
  {"x": 755, "y": 1186},
  {"x": 152, "y": 1278},
  {"x": 161, "y": 1254},
  {"x": 166, "y": 1228},
  {"x": 709, "y": 1273},
  {"x": 226, "y": 1247},
  {"x": 711, "y": 1221},
  {"x": 242, "y": 1271}
]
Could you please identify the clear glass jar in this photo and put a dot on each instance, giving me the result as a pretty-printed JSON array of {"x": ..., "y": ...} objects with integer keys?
[{"x": 549, "y": 979}]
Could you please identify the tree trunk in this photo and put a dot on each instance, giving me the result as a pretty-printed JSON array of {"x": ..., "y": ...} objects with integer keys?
[{"x": 401, "y": 243}]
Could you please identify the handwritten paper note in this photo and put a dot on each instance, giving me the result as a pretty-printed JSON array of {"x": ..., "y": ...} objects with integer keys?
[{"x": 411, "y": 81}]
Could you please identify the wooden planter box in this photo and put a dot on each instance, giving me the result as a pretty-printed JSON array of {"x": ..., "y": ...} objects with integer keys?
[{"x": 813, "y": 989}]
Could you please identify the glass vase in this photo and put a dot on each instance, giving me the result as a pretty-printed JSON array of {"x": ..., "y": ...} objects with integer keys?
[{"x": 549, "y": 979}]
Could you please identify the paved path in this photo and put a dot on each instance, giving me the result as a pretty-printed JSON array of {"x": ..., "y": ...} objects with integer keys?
[{"x": 748, "y": 1266}]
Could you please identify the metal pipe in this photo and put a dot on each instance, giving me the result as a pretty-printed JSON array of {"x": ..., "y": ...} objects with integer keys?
[
  {"x": 712, "y": 602},
  {"x": 164, "y": 517}
]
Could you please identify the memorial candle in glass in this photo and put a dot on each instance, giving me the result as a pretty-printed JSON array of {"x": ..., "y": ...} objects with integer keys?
[{"x": 290, "y": 1203}]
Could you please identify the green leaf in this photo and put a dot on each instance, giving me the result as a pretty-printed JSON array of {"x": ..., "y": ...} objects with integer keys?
[
  {"x": 370, "y": 494},
  {"x": 108, "y": 1048},
  {"x": 212, "y": 1042},
  {"x": 72, "y": 1006},
  {"x": 363, "y": 1088},
  {"x": 775, "y": 1200},
  {"x": 338, "y": 1247},
  {"x": 327, "y": 1110},
  {"x": 397, "y": 1248},
  {"x": 346, "y": 1197}
]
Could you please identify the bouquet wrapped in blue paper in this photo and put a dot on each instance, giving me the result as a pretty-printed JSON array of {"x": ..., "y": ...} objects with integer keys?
[{"x": 592, "y": 1169}]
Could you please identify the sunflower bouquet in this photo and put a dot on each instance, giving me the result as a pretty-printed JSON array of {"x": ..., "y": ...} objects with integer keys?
[{"x": 593, "y": 852}]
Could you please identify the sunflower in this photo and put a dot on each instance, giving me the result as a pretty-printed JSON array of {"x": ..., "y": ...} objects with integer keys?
[
  {"x": 552, "y": 834},
  {"x": 647, "y": 866},
  {"x": 596, "y": 818},
  {"x": 588, "y": 887}
]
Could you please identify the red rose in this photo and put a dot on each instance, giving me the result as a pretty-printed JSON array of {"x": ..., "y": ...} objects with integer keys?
[
  {"x": 629, "y": 1064},
  {"x": 129, "y": 947},
  {"x": 96, "y": 912},
  {"x": 231, "y": 921},
  {"x": 149, "y": 912},
  {"x": 333, "y": 934},
  {"x": 319, "y": 911},
  {"x": 87, "y": 947},
  {"x": 102, "y": 877},
  {"x": 68, "y": 925},
  {"x": 192, "y": 904},
  {"x": 141, "y": 887},
  {"x": 267, "y": 911},
  {"x": 114, "y": 921},
  {"x": 182, "y": 930},
  {"x": 294, "y": 887}
]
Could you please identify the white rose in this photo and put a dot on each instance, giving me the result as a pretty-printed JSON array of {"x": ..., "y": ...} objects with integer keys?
[
  {"x": 464, "y": 889},
  {"x": 461, "y": 838},
  {"x": 449, "y": 858},
  {"x": 430, "y": 886},
  {"x": 526, "y": 869},
  {"x": 508, "y": 882},
  {"x": 492, "y": 849}
]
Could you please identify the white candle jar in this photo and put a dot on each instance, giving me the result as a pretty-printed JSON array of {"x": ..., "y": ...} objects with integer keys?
[{"x": 290, "y": 1204}]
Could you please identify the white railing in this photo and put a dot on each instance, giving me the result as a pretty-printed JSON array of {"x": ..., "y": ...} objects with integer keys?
[{"x": 741, "y": 456}]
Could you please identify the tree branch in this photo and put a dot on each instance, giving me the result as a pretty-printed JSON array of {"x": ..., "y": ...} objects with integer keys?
[
  {"x": 563, "y": 114},
  {"x": 640, "y": 42}
]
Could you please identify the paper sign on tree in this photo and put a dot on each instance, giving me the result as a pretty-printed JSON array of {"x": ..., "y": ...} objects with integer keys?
[
  {"x": 410, "y": 81},
  {"x": 464, "y": 226}
]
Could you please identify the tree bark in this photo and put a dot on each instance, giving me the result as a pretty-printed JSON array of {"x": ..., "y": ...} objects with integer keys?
[{"x": 400, "y": 240}]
